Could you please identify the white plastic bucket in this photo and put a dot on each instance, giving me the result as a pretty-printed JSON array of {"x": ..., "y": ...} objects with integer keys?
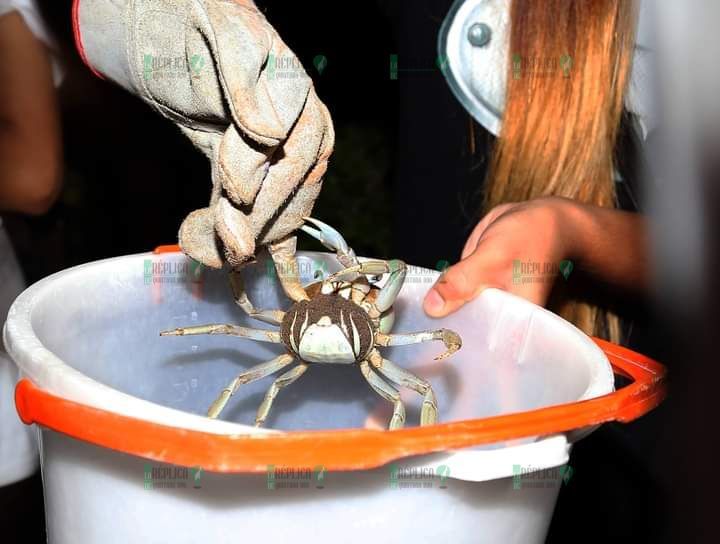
[
  {"x": 18, "y": 448},
  {"x": 90, "y": 335}
]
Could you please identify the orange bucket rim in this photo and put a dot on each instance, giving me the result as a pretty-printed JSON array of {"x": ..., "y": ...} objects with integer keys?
[{"x": 346, "y": 449}]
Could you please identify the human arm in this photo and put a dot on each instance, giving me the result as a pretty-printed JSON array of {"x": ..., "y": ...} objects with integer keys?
[
  {"x": 606, "y": 244},
  {"x": 30, "y": 137}
]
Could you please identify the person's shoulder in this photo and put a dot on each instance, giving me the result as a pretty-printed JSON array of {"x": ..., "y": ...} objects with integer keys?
[
  {"x": 19, "y": 5},
  {"x": 29, "y": 11}
]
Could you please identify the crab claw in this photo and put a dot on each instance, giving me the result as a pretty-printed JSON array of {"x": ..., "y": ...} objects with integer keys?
[
  {"x": 452, "y": 342},
  {"x": 370, "y": 268},
  {"x": 331, "y": 239}
]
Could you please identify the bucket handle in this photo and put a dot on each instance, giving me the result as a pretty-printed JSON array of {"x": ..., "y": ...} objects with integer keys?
[{"x": 351, "y": 449}]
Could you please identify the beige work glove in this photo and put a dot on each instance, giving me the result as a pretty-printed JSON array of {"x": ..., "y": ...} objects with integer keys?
[{"x": 220, "y": 72}]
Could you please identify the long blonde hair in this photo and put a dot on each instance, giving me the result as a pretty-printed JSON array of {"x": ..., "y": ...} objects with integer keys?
[{"x": 567, "y": 75}]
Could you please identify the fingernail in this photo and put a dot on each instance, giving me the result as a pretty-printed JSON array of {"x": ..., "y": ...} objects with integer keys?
[{"x": 434, "y": 303}]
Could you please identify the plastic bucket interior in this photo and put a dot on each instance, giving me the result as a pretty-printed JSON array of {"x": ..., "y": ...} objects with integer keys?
[{"x": 121, "y": 411}]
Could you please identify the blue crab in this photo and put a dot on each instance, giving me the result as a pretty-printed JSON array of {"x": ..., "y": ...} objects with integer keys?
[{"x": 342, "y": 319}]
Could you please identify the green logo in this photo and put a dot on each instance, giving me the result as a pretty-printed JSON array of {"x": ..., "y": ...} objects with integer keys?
[
  {"x": 196, "y": 473},
  {"x": 320, "y": 271},
  {"x": 538, "y": 478},
  {"x": 279, "y": 477},
  {"x": 270, "y": 268},
  {"x": 170, "y": 477},
  {"x": 517, "y": 476},
  {"x": 566, "y": 63},
  {"x": 196, "y": 270},
  {"x": 517, "y": 272},
  {"x": 409, "y": 477},
  {"x": 566, "y": 267},
  {"x": 271, "y": 66},
  {"x": 320, "y": 62},
  {"x": 317, "y": 270},
  {"x": 197, "y": 63},
  {"x": 148, "y": 271},
  {"x": 147, "y": 66},
  {"x": 516, "y": 65},
  {"x": 394, "y": 476},
  {"x": 147, "y": 476},
  {"x": 319, "y": 473},
  {"x": 442, "y": 62},
  {"x": 442, "y": 265},
  {"x": 443, "y": 471},
  {"x": 393, "y": 67},
  {"x": 566, "y": 472}
]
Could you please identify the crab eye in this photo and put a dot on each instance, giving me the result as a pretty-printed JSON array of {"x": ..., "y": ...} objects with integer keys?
[{"x": 327, "y": 288}]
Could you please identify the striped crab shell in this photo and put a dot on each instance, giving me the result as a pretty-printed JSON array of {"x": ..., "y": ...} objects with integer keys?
[{"x": 328, "y": 329}]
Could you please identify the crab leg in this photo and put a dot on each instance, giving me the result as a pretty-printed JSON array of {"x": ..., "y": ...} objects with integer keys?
[
  {"x": 450, "y": 338},
  {"x": 283, "y": 254},
  {"x": 389, "y": 292},
  {"x": 386, "y": 391},
  {"x": 282, "y": 381},
  {"x": 332, "y": 240},
  {"x": 237, "y": 284},
  {"x": 400, "y": 376},
  {"x": 255, "y": 373},
  {"x": 232, "y": 330}
]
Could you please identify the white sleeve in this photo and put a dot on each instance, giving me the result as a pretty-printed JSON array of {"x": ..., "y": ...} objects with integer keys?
[{"x": 29, "y": 11}]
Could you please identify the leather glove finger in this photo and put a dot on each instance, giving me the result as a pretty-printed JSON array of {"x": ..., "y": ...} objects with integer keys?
[
  {"x": 242, "y": 42},
  {"x": 291, "y": 163},
  {"x": 240, "y": 167}
]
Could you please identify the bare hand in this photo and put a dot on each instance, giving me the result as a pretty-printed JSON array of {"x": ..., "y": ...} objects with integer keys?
[
  {"x": 523, "y": 248},
  {"x": 530, "y": 234}
]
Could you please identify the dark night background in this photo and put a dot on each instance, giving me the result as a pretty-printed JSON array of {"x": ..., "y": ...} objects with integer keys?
[{"x": 404, "y": 182}]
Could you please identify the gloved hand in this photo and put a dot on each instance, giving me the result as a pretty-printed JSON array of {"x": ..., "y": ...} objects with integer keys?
[{"x": 220, "y": 72}]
